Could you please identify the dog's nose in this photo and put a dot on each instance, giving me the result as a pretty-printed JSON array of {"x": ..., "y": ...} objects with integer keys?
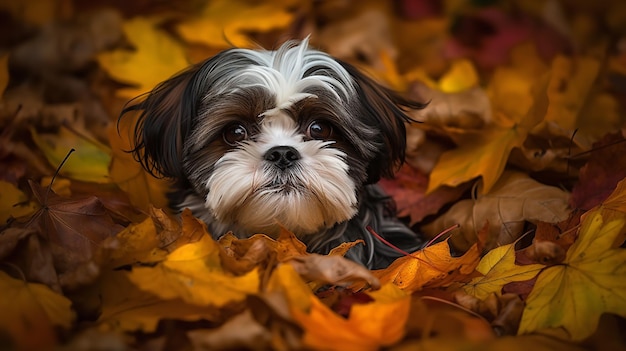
[{"x": 282, "y": 157}]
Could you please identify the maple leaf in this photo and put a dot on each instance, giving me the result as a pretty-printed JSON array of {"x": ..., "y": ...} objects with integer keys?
[
  {"x": 431, "y": 266},
  {"x": 144, "y": 190},
  {"x": 498, "y": 268},
  {"x": 591, "y": 281},
  {"x": 157, "y": 57},
  {"x": 30, "y": 311},
  {"x": 63, "y": 222},
  {"x": 514, "y": 199},
  {"x": 369, "y": 326},
  {"x": 89, "y": 162},
  {"x": 223, "y": 23},
  {"x": 193, "y": 273}
]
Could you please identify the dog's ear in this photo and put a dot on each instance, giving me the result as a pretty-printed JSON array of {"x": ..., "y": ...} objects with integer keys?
[
  {"x": 384, "y": 110},
  {"x": 164, "y": 118}
]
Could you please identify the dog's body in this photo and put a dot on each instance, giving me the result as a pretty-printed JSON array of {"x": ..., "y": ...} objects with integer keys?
[{"x": 294, "y": 138}]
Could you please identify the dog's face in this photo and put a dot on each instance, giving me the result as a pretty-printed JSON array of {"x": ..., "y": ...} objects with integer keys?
[{"x": 265, "y": 138}]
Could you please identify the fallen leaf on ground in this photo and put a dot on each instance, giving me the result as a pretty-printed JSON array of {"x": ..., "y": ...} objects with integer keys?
[
  {"x": 89, "y": 162},
  {"x": 125, "y": 307},
  {"x": 30, "y": 312},
  {"x": 408, "y": 189},
  {"x": 591, "y": 281},
  {"x": 370, "y": 326},
  {"x": 193, "y": 273},
  {"x": 157, "y": 56},
  {"x": 431, "y": 266},
  {"x": 222, "y": 23},
  {"x": 332, "y": 269},
  {"x": 76, "y": 225},
  {"x": 498, "y": 268},
  {"x": 515, "y": 199}
]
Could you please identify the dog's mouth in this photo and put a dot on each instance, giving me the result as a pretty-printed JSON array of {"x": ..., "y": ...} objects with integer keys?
[{"x": 279, "y": 185}]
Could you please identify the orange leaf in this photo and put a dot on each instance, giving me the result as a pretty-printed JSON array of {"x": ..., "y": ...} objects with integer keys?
[
  {"x": 370, "y": 326},
  {"x": 432, "y": 266}
]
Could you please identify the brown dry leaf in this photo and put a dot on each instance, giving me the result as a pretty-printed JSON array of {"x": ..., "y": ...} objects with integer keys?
[
  {"x": 77, "y": 226},
  {"x": 333, "y": 269},
  {"x": 30, "y": 312},
  {"x": 229, "y": 336},
  {"x": 467, "y": 109},
  {"x": 432, "y": 266},
  {"x": 125, "y": 307},
  {"x": 598, "y": 177},
  {"x": 515, "y": 199}
]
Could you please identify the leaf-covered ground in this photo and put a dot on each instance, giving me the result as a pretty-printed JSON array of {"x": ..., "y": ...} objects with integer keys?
[{"x": 516, "y": 175}]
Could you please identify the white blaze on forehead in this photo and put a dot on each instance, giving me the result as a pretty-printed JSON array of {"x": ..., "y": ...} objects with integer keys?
[{"x": 292, "y": 70}]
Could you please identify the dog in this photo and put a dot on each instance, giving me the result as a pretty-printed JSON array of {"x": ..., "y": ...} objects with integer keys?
[{"x": 257, "y": 140}]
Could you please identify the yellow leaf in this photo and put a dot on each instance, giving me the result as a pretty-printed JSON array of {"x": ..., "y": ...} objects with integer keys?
[
  {"x": 519, "y": 104},
  {"x": 194, "y": 274},
  {"x": 30, "y": 311},
  {"x": 157, "y": 57},
  {"x": 498, "y": 268},
  {"x": 128, "y": 308},
  {"x": 142, "y": 189},
  {"x": 480, "y": 154},
  {"x": 89, "y": 162},
  {"x": 287, "y": 281},
  {"x": 136, "y": 243},
  {"x": 591, "y": 281},
  {"x": 13, "y": 202},
  {"x": 4, "y": 73},
  {"x": 432, "y": 266},
  {"x": 370, "y": 326},
  {"x": 223, "y": 23},
  {"x": 461, "y": 76}
]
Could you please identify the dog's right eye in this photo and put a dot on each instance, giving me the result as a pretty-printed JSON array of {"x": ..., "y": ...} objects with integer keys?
[{"x": 235, "y": 133}]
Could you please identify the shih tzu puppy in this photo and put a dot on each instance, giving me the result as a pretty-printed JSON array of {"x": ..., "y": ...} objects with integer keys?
[{"x": 261, "y": 139}]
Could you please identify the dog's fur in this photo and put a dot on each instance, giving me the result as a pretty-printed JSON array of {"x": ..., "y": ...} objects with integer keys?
[{"x": 293, "y": 137}]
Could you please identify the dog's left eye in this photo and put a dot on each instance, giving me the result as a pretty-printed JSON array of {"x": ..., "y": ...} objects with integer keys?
[
  {"x": 234, "y": 134},
  {"x": 319, "y": 130}
]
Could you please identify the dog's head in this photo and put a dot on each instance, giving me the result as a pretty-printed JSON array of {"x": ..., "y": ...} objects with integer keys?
[{"x": 267, "y": 137}]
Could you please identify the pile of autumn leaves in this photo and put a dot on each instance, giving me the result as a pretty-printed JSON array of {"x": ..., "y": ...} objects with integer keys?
[
  {"x": 264, "y": 293},
  {"x": 90, "y": 261}
]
